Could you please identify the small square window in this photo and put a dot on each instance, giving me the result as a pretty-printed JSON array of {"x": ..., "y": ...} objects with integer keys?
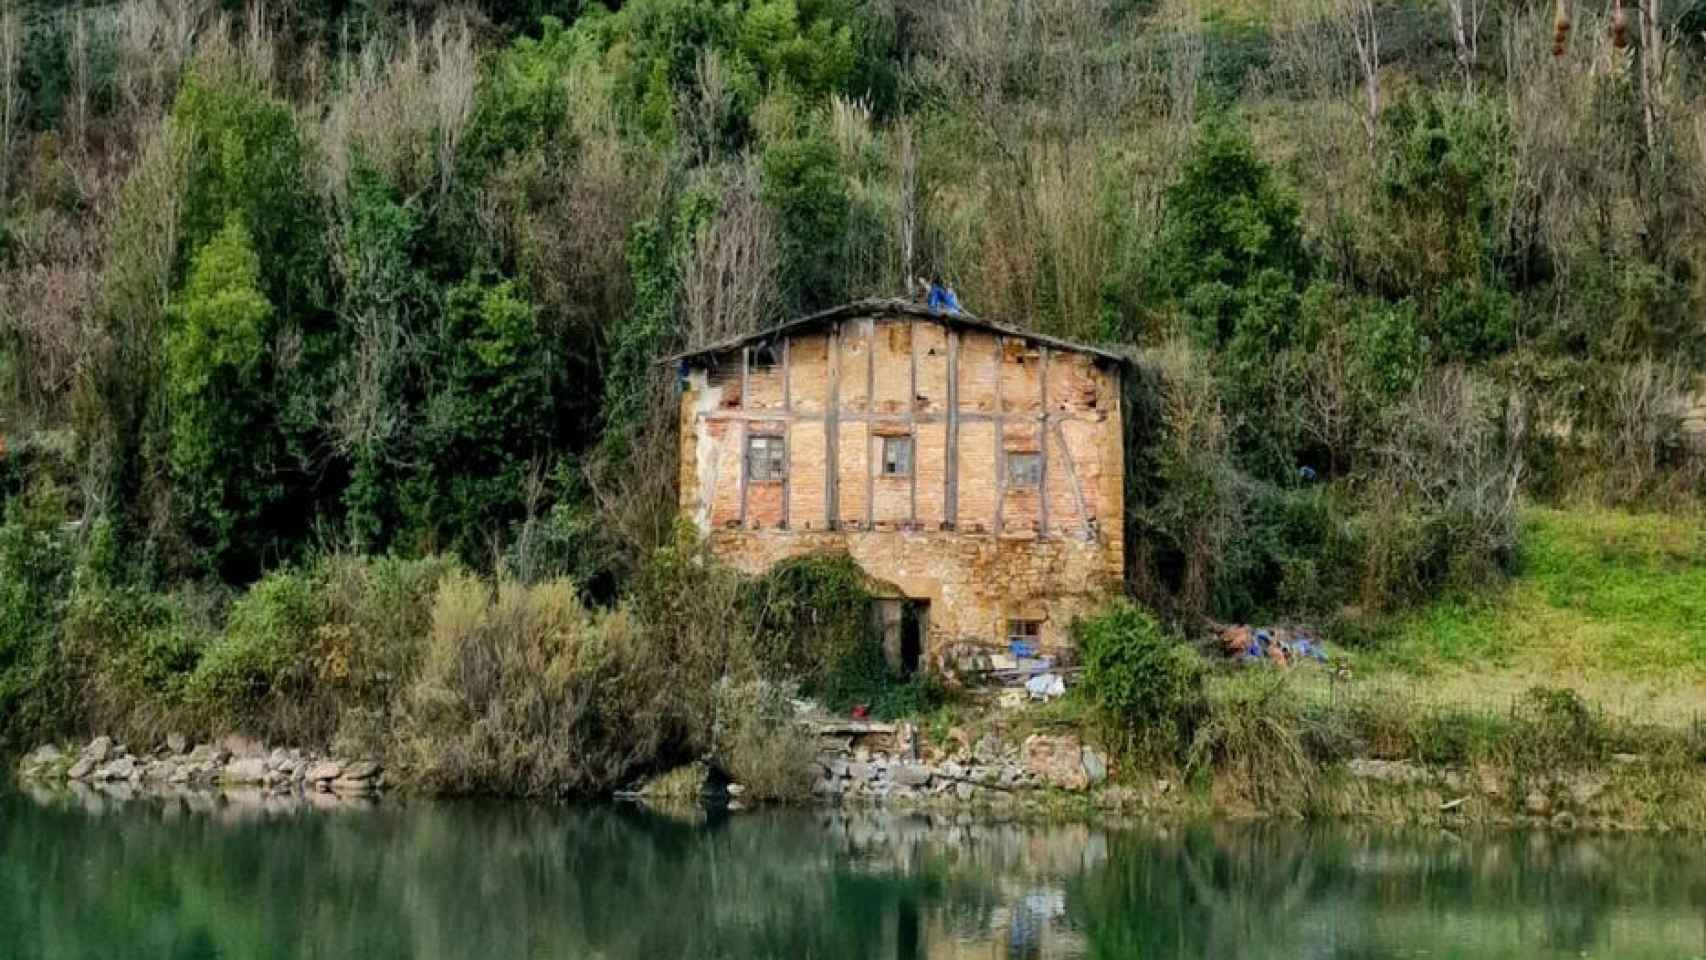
[
  {"x": 1024, "y": 469},
  {"x": 1024, "y": 633},
  {"x": 762, "y": 357},
  {"x": 897, "y": 456},
  {"x": 765, "y": 459}
]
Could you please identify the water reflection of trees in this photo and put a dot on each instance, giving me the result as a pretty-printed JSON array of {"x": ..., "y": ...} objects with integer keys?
[
  {"x": 155, "y": 879},
  {"x": 1296, "y": 890}
]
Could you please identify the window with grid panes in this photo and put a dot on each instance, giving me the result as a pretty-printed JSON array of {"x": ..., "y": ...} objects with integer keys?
[
  {"x": 765, "y": 459},
  {"x": 1024, "y": 469},
  {"x": 897, "y": 456}
]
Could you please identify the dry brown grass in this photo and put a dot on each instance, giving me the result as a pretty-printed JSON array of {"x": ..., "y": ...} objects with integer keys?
[{"x": 517, "y": 693}]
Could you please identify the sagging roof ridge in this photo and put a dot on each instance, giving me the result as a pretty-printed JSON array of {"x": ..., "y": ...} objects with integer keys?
[{"x": 891, "y": 306}]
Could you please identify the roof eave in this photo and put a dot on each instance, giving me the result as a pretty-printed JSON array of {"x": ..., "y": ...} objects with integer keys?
[{"x": 859, "y": 308}]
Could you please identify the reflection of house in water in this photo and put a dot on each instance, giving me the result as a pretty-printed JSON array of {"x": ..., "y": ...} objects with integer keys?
[
  {"x": 974, "y": 470},
  {"x": 1016, "y": 912}
]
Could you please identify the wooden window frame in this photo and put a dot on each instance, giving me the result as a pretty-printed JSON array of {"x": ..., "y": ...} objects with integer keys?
[
  {"x": 903, "y": 443},
  {"x": 1025, "y": 630},
  {"x": 775, "y": 462},
  {"x": 1029, "y": 477}
]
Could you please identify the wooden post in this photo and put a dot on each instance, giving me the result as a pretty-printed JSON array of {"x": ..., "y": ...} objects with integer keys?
[
  {"x": 1000, "y": 434},
  {"x": 745, "y": 430},
  {"x": 787, "y": 434},
  {"x": 951, "y": 495},
  {"x": 832, "y": 432},
  {"x": 870, "y": 415},
  {"x": 912, "y": 422},
  {"x": 1042, "y": 448}
]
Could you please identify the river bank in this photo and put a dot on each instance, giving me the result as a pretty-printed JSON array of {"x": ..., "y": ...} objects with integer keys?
[{"x": 1052, "y": 776}]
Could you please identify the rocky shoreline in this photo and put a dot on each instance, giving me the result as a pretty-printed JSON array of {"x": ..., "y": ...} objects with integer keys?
[
  {"x": 989, "y": 772},
  {"x": 891, "y": 766},
  {"x": 227, "y": 762}
]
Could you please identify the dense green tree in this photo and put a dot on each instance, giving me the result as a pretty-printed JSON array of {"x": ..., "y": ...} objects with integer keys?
[{"x": 216, "y": 354}]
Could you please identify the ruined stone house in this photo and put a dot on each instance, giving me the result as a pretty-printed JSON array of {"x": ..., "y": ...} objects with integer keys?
[{"x": 972, "y": 470}]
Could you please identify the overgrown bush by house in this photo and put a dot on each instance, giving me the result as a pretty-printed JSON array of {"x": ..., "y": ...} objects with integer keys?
[{"x": 1147, "y": 683}]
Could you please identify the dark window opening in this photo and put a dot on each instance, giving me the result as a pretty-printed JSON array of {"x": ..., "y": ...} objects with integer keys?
[
  {"x": 902, "y": 626},
  {"x": 911, "y": 636},
  {"x": 897, "y": 456},
  {"x": 1024, "y": 469},
  {"x": 763, "y": 357},
  {"x": 765, "y": 459}
]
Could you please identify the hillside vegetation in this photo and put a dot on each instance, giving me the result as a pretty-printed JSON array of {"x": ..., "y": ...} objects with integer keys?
[{"x": 319, "y": 319}]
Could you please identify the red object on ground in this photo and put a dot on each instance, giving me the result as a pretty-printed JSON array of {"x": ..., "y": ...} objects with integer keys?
[{"x": 860, "y": 712}]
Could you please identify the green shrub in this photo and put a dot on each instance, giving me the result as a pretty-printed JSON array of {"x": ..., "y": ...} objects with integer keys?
[
  {"x": 35, "y": 580},
  {"x": 1145, "y": 681},
  {"x": 803, "y": 182},
  {"x": 260, "y": 658}
]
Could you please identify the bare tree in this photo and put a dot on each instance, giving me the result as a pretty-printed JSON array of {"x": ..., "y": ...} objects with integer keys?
[
  {"x": 1652, "y": 66},
  {"x": 82, "y": 81},
  {"x": 11, "y": 93},
  {"x": 455, "y": 73},
  {"x": 1466, "y": 19},
  {"x": 907, "y": 166},
  {"x": 729, "y": 287},
  {"x": 1364, "y": 28},
  {"x": 706, "y": 106}
]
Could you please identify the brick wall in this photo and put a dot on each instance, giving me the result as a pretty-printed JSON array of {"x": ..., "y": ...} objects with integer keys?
[{"x": 952, "y": 531}]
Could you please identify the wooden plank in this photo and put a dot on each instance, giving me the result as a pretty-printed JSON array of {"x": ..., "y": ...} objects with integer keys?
[
  {"x": 832, "y": 432},
  {"x": 870, "y": 412},
  {"x": 912, "y": 421},
  {"x": 1000, "y": 435},
  {"x": 745, "y": 469},
  {"x": 1042, "y": 430},
  {"x": 1077, "y": 488},
  {"x": 951, "y": 454},
  {"x": 774, "y": 416}
]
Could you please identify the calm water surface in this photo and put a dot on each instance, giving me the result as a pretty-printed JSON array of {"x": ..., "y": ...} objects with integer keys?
[{"x": 84, "y": 876}]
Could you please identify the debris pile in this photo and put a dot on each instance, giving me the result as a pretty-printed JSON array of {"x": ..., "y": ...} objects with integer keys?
[{"x": 1281, "y": 646}]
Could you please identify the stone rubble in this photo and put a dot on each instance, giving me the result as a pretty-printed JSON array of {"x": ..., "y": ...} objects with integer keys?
[
  {"x": 230, "y": 764},
  {"x": 991, "y": 772}
]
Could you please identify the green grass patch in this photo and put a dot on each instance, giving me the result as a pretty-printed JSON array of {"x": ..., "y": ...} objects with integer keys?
[{"x": 1596, "y": 591}]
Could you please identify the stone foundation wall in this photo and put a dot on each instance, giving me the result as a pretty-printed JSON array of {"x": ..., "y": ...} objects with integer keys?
[{"x": 974, "y": 584}]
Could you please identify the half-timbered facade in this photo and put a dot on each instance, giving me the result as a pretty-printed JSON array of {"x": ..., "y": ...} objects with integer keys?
[{"x": 972, "y": 469}]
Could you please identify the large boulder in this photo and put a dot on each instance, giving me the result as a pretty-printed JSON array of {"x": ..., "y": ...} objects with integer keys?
[
  {"x": 43, "y": 761},
  {"x": 910, "y": 774},
  {"x": 1095, "y": 766},
  {"x": 323, "y": 771},
  {"x": 99, "y": 749},
  {"x": 360, "y": 770},
  {"x": 245, "y": 770},
  {"x": 1056, "y": 761}
]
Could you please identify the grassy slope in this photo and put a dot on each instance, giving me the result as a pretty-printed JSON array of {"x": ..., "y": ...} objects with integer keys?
[{"x": 1610, "y": 604}]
